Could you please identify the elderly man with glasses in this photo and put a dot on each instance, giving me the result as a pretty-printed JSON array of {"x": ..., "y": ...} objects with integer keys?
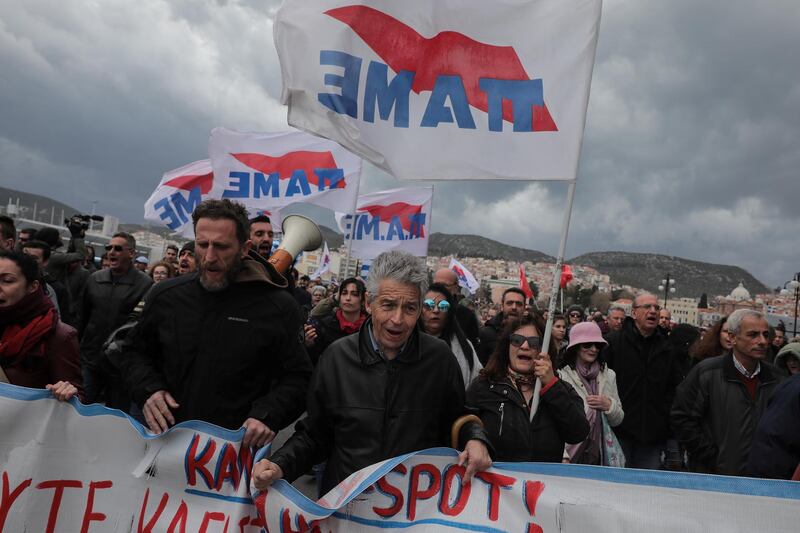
[
  {"x": 109, "y": 296},
  {"x": 647, "y": 376}
]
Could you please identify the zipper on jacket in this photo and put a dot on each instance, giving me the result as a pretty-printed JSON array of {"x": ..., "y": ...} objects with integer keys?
[{"x": 502, "y": 413}]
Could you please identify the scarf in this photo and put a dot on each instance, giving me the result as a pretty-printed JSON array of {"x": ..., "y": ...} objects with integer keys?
[
  {"x": 25, "y": 323},
  {"x": 589, "y": 451},
  {"x": 349, "y": 327}
]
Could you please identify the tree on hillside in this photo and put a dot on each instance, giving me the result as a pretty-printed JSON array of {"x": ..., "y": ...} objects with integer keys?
[{"x": 703, "y": 301}]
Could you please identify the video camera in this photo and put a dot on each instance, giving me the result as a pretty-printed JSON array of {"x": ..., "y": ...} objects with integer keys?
[{"x": 81, "y": 221}]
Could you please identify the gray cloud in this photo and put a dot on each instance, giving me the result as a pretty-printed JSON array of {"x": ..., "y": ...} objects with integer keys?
[{"x": 690, "y": 146}]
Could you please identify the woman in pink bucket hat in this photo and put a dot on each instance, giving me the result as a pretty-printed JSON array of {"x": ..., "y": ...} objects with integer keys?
[{"x": 584, "y": 367}]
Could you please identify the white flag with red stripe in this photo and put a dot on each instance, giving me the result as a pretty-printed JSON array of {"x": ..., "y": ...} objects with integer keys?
[
  {"x": 397, "y": 219},
  {"x": 462, "y": 89},
  {"x": 269, "y": 171},
  {"x": 465, "y": 277},
  {"x": 178, "y": 193}
]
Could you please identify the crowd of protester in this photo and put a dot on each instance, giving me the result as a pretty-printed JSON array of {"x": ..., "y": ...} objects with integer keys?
[{"x": 395, "y": 364}]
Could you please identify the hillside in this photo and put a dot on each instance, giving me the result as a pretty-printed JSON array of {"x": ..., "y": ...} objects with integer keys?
[
  {"x": 646, "y": 271},
  {"x": 442, "y": 244},
  {"x": 47, "y": 208}
]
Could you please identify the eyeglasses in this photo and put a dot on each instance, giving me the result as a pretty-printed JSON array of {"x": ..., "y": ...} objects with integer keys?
[
  {"x": 115, "y": 247},
  {"x": 587, "y": 345},
  {"x": 517, "y": 340},
  {"x": 575, "y": 315},
  {"x": 443, "y": 305},
  {"x": 648, "y": 307}
]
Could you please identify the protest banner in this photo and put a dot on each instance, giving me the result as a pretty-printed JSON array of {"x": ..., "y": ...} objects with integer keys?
[
  {"x": 464, "y": 89},
  {"x": 425, "y": 492},
  {"x": 266, "y": 171},
  {"x": 65, "y": 466},
  {"x": 177, "y": 194},
  {"x": 397, "y": 219},
  {"x": 71, "y": 467}
]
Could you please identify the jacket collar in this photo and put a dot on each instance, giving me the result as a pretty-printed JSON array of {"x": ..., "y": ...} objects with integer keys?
[
  {"x": 369, "y": 355},
  {"x": 128, "y": 278},
  {"x": 630, "y": 330},
  {"x": 256, "y": 268},
  {"x": 255, "y": 271},
  {"x": 766, "y": 375}
]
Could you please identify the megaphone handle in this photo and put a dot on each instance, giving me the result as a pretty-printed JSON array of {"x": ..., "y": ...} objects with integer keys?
[{"x": 281, "y": 260}]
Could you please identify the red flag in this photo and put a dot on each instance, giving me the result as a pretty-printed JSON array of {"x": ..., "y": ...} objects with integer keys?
[
  {"x": 523, "y": 282},
  {"x": 566, "y": 275}
]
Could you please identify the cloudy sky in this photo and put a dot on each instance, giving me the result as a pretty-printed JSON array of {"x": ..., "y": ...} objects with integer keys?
[{"x": 692, "y": 144}]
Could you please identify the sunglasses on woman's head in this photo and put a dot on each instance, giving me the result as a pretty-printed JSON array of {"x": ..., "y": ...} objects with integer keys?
[
  {"x": 430, "y": 304},
  {"x": 115, "y": 247},
  {"x": 587, "y": 345},
  {"x": 534, "y": 343}
]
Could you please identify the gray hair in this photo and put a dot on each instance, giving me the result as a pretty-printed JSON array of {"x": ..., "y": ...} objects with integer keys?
[
  {"x": 319, "y": 288},
  {"x": 734, "y": 322},
  {"x": 616, "y": 308},
  {"x": 398, "y": 266}
]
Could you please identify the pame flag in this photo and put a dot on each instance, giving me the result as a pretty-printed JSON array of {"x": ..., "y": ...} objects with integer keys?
[
  {"x": 464, "y": 89},
  {"x": 178, "y": 193},
  {"x": 266, "y": 171},
  {"x": 397, "y": 219}
]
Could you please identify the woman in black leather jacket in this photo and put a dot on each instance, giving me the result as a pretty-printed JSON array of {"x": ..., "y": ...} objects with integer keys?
[{"x": 506, "y": 392}]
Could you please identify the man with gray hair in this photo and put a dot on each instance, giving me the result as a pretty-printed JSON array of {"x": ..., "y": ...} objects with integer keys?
[
  {"x": 615, "y": 317},
  {"x": 384, "y": 391},
  {"x": 718, "y": 406}
]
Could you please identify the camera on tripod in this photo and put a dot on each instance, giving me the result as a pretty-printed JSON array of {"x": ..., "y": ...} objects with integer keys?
[{"x": 81, "y": 221}]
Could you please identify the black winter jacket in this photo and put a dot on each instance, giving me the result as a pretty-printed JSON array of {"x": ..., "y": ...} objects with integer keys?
[
  {"x": 647, "y": 376},
  {"x": 105, "y": 305},
  {"x": 225, "y": 356},
  {"x": 328, "y": 331},
  {"x": 469, "y": 324},
  {"x": 559, "y": 419},
  {"x": 488, "y": 338},
  {"x": 363, "y": 408},
  {"x": 714, "y": 417},
  {"x": 775, "y": 452}
]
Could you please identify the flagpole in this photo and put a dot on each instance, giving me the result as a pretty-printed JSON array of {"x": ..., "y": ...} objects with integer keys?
[
  {"x": 352, "y": 228},
  {"x": 551, "y": 309}
]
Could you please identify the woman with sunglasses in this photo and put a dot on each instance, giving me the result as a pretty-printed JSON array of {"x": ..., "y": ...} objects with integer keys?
[
  {"x": 438, "y": 320},
  {"x": 36, "y": 349},
  {"x": 526, "y": 422},
  {"x": 585, "y": 369}
]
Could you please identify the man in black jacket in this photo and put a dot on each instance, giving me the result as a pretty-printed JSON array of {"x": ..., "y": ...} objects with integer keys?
[
  {"x": 108, "y": 297},
  {"x": 384, "y": 391},
  {"x": 222, "y": 344},
  {"x": 513, "y": 302},
  {"x": 647, "y": 375},
  {"x": 719, "y": 405}
]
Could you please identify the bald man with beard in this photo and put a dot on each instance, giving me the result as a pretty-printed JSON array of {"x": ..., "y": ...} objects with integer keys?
[{"x": 466, "y": 319}]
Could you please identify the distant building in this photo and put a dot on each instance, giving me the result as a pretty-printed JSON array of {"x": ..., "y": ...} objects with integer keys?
[
  {"x": 739, "y": 298},
  {"x": 684, "y": 310}
]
